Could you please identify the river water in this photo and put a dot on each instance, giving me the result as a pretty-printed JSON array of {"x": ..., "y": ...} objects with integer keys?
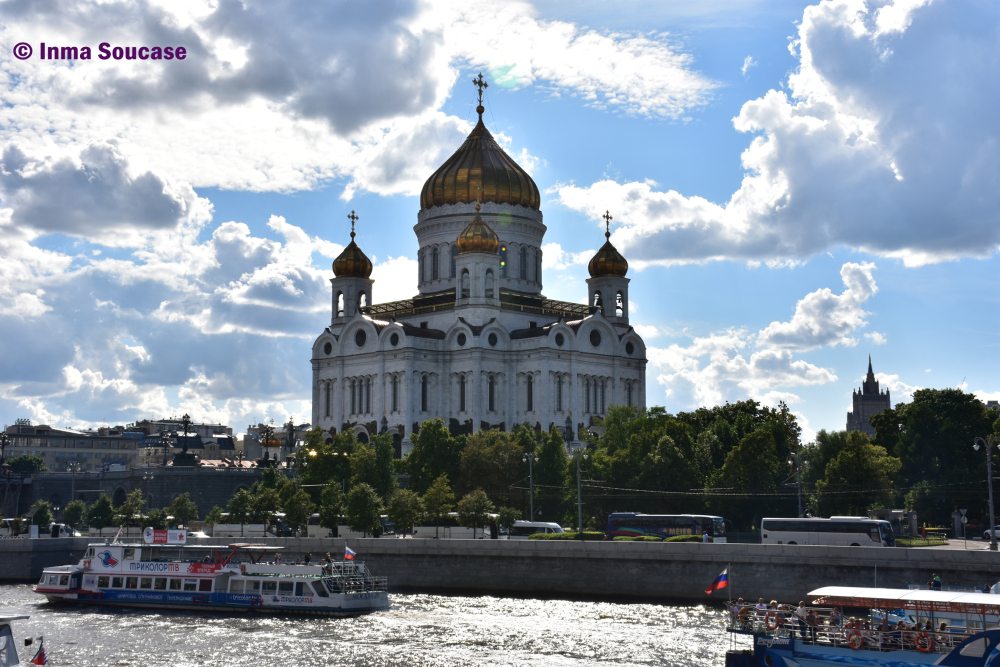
[{"x": 419, "y": 629}]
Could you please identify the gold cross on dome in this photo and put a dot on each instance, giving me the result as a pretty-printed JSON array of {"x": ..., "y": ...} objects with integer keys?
[
  {"x": 353, "y": 217},
  {"x": 480, "y": 83},
  {"x": 607, "y": 222}
]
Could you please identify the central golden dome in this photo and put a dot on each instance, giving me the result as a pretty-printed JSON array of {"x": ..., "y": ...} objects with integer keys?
[
  {"x": 478, "y": 237},
  {"x": 480, "y": 170}
]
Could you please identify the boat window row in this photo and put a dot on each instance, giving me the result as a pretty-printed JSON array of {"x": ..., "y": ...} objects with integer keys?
[
  {"x": 277, "y": 586},
  {"x": 155, "y": 583}
]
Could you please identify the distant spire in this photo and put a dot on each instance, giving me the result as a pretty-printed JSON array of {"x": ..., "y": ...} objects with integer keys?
[
  {"x": 871, "y": 374},
  {"x": 353, "y": 217},
  {"x": 480, "y": 83},
  {"x": 607, "y": 224}
]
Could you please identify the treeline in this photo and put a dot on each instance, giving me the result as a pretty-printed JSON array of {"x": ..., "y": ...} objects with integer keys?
[{"x": 741, "y": 460}]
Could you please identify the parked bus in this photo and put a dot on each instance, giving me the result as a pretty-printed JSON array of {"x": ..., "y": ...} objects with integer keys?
[
  {"x": 836, "y": 531},
  {"x": 631, "y": 524},
  {"x": 522, "y": 530}
]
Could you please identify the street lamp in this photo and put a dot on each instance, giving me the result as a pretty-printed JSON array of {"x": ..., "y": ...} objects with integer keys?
[
  {"x": 580, "y": 454},
  {"x": 530, "y": 459},
  {"x": 987, "y": 444},
  {"x": 797, "y": 483}
]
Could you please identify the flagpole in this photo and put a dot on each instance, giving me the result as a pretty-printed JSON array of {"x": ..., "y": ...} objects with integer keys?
[{"x": 729, "y": 588}]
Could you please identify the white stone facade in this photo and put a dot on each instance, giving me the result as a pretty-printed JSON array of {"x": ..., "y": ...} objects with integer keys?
[{"x": 479, "y": 346}]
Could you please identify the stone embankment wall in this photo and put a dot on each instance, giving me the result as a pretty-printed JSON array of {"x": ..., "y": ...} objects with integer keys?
[{"x": 626, "y": 570}]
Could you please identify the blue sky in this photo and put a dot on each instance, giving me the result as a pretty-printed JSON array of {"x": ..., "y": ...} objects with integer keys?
[{"x": 795, "y": 185}]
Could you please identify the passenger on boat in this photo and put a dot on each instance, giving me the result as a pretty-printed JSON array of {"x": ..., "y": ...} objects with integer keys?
[
  {"x": 835, "y": 618},
  {"x": 800, "y": 618},
  {"x": 306, "y": 559},
  {"x": 812, "y": 622}
]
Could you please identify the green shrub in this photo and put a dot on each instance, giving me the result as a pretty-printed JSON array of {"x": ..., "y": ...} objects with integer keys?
[
  {"x": 585, "y": 535},
  {"x": 684, "y": 538}
]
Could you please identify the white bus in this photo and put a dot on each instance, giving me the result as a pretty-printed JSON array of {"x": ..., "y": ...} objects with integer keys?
[
  {"x": 836, "y": 531},
  {"x": 522, "y": 530}
]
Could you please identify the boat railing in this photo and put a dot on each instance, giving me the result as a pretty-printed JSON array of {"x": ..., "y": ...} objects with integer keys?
[{"x": 831, "y": 630}]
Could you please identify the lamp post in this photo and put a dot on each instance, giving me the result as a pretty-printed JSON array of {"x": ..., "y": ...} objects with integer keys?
[
  {"x": 797, "y": 476},
  {"x": 987, "y": 444},
  {"x": 579, "y": 494},
  {"x": 4, "y": 441},
  {"x": 530, "y": 458}
]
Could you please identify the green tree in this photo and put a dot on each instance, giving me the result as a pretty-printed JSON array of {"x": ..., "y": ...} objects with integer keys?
[
  {"x": 473, "y": 509},
  {"x": 491, "y": 460},
  {"x": 932, "y": 436},
  {"x": 857, "y": 479},
  {"x": 26, "y": 464},
  {"x": 264, "y": 504},
  {"x": 506, "y": 516},
  {"x": 405, "y": 509},
  {"x": 214, "y": 516},
  {"x": 364, "y": 509},
  {"x": 101, "y": 514},
  {"x": 756, "y": 471},
  {"x": 130, "y": 512},
  {"x": 298, "y": 507},
  {"x": 438, "y": 501},
  {"x": 183, "y": 509},
  {"x": 384, "y": 478},
  {"x": 435, "y": 452},
  {"x": 331, "y": 506},
  {"x": 364, "y": 466},
  {"x": 549, "y": 477},
  {"x": 319, "y": 461},
  {"x": 41, "y": 513},
  {"x": 156, "y": 518},
  {"x": 75, "y": 514},
  {"x": 240, "y": 506}
]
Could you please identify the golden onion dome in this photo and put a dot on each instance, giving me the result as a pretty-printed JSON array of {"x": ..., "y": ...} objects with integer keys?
[
  {"x": 480, "y": 170},
  {"x": 478, "y": 237},
  {"x": 608, "y": 261},
  {"x": 352, "y": 262}
]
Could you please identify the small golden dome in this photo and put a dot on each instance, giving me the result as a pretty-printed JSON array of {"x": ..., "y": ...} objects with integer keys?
[
  {"x": 608, "y": 261},
  {"x": 478, "y": 237},
  {"x": 352, "y": 262},
  {"x": 480, "y": 170}
]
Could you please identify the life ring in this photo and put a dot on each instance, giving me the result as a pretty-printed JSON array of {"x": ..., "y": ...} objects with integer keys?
[
  {"x": 854, "y": 639},
  {"x": 771, "y": 621},
  {"x": 924, "y": 642}
]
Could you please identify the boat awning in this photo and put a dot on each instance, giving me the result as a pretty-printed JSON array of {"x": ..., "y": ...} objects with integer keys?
[{"x": 917, "y": 600}]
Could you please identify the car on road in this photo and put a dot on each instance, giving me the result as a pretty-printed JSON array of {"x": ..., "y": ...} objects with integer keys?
[{"x": 995, "y": 531}]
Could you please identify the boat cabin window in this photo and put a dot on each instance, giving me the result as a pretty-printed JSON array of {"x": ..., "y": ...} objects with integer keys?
[
  {"x": 129, "y": 553},
  {"x": 253, "y": 587},
  {"x": 298, "y": 589},
  {"x": 131, "y": 582},
  {"x": 235, "y": 586},
  {"x": 975, "y": 648},
  {"x": 285, "y": 587},
  {"x": 190, "y": 584},
  {"x": 146, "y": 582},
  {"x": 320, "y": 590},
  {"x": 89, "y": 553},
  {"x": 269, "y": 587},
  {"x": 64, "y": 580},
  {"x": 116, "y": 582},
  {"x": 102, "y": 581},
  {"x": 205, "y": 585},
  {"x": 175, "y": 584},
  {"x": 160, "y": 583},
  {"x": 50, "y": 579}
]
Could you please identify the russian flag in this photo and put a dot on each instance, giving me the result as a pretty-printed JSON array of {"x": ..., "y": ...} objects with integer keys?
[
  {"x": 349, "y": 553},
  {"x": 720, "y": 582}
]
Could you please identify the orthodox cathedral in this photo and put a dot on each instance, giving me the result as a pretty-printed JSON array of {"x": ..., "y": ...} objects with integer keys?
[{"x": 479, "y": 345}]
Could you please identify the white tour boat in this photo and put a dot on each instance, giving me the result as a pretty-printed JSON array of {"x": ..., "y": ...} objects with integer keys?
[{"x": 164, "y": 573}]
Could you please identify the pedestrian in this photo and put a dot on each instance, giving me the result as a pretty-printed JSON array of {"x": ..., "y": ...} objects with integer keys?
[
  {"x": 704, "y": 537},
  {"x": 307, "y": 558},
  {"x": 936, "y": 582}
]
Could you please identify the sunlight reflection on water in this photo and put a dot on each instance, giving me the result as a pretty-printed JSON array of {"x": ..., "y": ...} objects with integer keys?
[{"x": 426, "y": 630}]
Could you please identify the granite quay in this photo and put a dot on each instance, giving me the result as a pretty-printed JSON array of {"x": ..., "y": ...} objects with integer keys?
[{"x": 614, "y": 570}]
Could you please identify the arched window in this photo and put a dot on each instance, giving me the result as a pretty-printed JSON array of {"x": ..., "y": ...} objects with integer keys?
[
  {"x": 465, "y": 283},
  {"x": 602, "y": 396},
  {"x": 395, "y": 393},
  {"x": 454, "y": 254},
  {"x": 354, "y": 404},
  {"x": 597, "y": 301},
  {"x": 340, "y": 304},
  {"x": 362, "y": 301},
  {"x": 586, "y": 390},
  {"x": 328, "y": 389},
  {"x": 423, "y": 393},
  {"x": 420, "y": 264},
  {"x": 503, "y": 261},
  {"x": 492, "y": 393},
  {"x": 559, "y": 393},
  {"x": 628, "y": 393},
  {"x": 461, "y": 393},
  {"x": 538, "y": 267},
  {"x": 488, "y": 284},
  {"x": 619, "y": 304},
  {"x": 434, "y": 264},
  {"x": 522, "y": 263},
  {"x": 530, "y": 386},
  {"x": 368, "y": 395}
]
